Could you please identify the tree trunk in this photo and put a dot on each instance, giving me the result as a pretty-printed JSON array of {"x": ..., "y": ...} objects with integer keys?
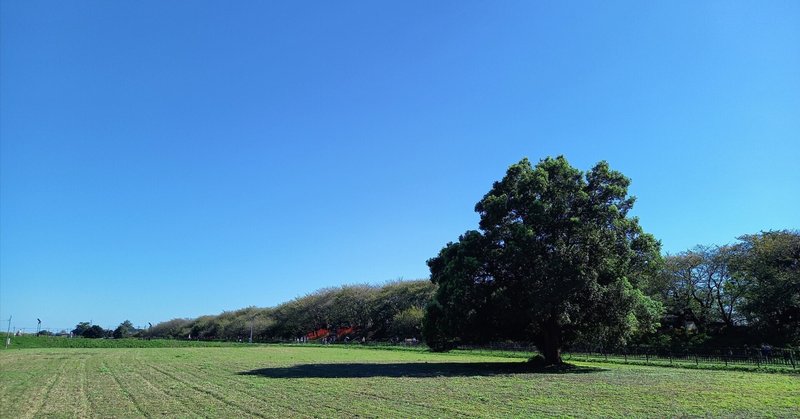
[
  {"x": 550, "y": 344},
  {"x": 552, "y": 355}
]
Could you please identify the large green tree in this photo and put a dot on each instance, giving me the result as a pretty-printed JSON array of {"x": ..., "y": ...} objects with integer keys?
[
  {"x": 768, "y": 265},
  {"x": 556, "y": 257}
]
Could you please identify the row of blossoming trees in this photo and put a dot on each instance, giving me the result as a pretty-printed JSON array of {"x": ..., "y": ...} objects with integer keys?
[{"x": 372, "y": 312}]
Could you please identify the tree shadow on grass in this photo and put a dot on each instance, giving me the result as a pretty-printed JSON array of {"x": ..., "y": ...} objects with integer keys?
[{"x": 415, "y": 370}]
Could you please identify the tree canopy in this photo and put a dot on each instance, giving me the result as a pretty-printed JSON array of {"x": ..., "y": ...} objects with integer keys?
[
  {"x": 768, "y": 268},
  {"x": 735, "y": 294},
  {"x": 556, "y": 257},
  {"x": 124, "y": 330}
]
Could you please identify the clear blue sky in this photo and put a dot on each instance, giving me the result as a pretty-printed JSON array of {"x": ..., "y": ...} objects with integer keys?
[{"x": 172, "y": 159}]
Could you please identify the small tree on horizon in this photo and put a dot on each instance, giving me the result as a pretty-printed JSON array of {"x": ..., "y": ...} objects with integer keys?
[
  {"x": 556, "y": 257},
  {"x": 94, "y": 332},
  {"x": 80, "y": 328},
  {"x": 124, "y": 330}
]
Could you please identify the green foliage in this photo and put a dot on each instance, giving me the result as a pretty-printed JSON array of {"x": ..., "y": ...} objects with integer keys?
[
  {"x": 86, "y": 330},
  {"x": 556, "y": 257},
  {"x": 769, "y": 266},
  {"x": 81, "y": 328},
  {"x": 175, "y": 328},
  {"x": 94, "y": 332},
  {"x": 745, "y": 293},
  {"x": 408, "y": 323},
  {"x": 124, "y": 330},
  {"x": 699, "y": 286}
]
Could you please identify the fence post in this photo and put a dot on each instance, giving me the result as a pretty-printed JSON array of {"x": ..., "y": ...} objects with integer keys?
[
  {"x": 791, "y": 357},
  {"x": 646, "y": 357},
  {"x": 696, "y": 362},
  {"x": 670, "y": 357}
]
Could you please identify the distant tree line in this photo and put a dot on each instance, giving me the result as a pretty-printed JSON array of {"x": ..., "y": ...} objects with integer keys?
[
  {"x": 372, "y": 312},
  {"x": 88, "y": 330},
  {"x": 746, "y": 293}
]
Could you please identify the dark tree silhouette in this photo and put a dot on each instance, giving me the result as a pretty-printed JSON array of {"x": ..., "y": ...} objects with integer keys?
[{"x": 556, "y": 256}]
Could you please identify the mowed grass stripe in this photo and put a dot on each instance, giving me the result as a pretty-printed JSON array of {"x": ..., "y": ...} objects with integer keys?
[
  {"x": 166, "y": 401},
  {"x": 67, "y": 396},
  {"x": 17, "y": 378},
  {"x": 377, "y": 397},
  {"x": 381, "y": 396},
  {"x": 273, "y": 401},
  {"x": 156, "y": 396},
  {"x": 326, "y": 398},
  {"x": 191, "y": 400},
  {"x": 36, "y": 399},
  {"x": 205, "y": 388},
  {"x": 341, "y": 397},
  {"x": 378, "y": 404},
  {"x": 129, "y": 397},
  {"x": 209, "y": 389},
  {"x": 373, "y": 396},
  {"x": 62, "y": 394},
  {"x": 280, "y": 396},
  {"x": 84, "y": 386},
  {"x": 439, "y": 396}
]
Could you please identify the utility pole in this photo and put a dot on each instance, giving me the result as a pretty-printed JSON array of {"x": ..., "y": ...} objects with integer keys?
[{"x": 8, "y": 333}]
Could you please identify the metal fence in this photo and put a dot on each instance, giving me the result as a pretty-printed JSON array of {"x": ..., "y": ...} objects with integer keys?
[
  {"x": 765, "y": 356},
  {"x": 759, "y": 357}
]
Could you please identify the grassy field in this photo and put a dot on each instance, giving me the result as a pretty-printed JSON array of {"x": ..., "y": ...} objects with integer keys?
[{"x": 279, "y": 381}]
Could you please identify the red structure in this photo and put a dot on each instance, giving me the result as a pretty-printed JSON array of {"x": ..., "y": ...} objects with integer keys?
[
  {"x": 318, "y": 334},
  {"x": 324, "y": 333},
  {"x": 344, "y": 331}
]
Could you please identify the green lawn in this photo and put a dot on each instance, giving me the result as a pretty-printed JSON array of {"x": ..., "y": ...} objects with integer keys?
[{"x": 280, "y": 381}]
